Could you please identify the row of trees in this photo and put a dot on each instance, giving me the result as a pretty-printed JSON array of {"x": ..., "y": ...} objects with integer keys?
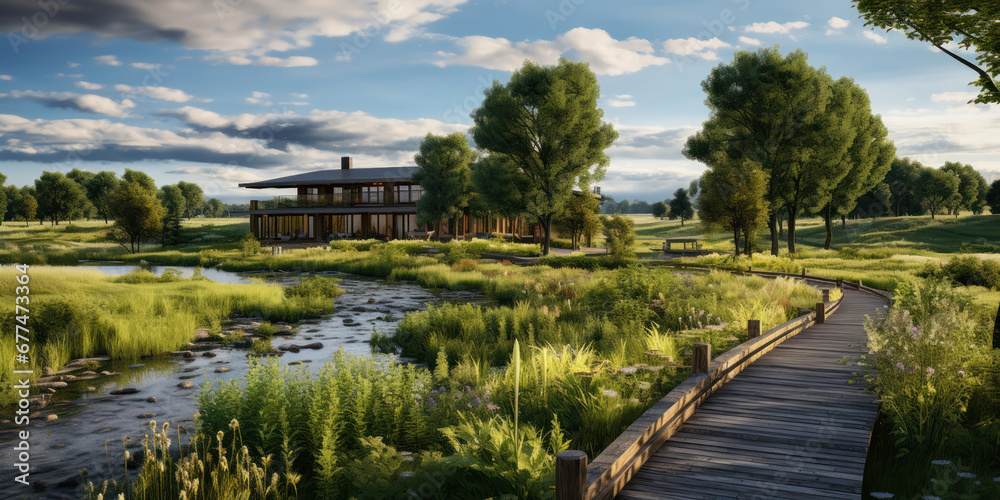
[
  {"x": 141, "y": 211},
  {"x": 910, "y": 188},
  {"x": 538, "y": 137},
  {"x": 785, "y": 137}
]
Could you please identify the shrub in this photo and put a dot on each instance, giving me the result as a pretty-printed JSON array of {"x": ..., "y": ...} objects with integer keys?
[
  {"x": 619, "y": 236},
  {"x": 249, "y": 246}
]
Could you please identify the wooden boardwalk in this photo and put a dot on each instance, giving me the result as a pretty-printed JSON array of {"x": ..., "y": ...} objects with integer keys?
[{"x": 789, "y": 426}]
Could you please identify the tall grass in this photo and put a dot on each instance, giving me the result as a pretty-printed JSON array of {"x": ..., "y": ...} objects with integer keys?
[{"x": 81, "y": 313}]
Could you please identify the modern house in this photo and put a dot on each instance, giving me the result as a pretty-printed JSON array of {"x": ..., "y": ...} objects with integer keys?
[{"x": 360, "y": 203}]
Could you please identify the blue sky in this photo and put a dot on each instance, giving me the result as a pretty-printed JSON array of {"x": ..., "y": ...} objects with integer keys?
[{"x": 226, "y": 91}]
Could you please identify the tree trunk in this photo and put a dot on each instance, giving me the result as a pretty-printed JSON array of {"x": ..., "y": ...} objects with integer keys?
[
  {"x": 546, "y": 223},
  {"x": 748, "y": 245},
  {"x": 781, "y": 228},
  {"x": 682, "y": 221},
  {"x": 772, "y": 224},
  {"x": 736, "y": 242},
  {"x": 828, "y": 219},
  {"x": 792, "y": 209}
]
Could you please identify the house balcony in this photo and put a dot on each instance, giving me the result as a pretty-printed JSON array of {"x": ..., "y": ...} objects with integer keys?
[{"x": 326, "y": 201}]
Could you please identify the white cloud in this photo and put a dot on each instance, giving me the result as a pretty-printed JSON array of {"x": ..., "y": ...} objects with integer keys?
[
  {"x": 73, "y": 75},
  {"x": 773, "y": 27},
  {"x": 6, "y": 77},
  {"x": 958, "y": 133},
  {"x": 108, "y": 60},
  {"x": 259, "y": 98},
  {"x": 621, "y": 101},
  {"x": 838, "y": 23},
  {"x": 142, "y": 65},
  {"x": 875, "y": 37},
  {"x": 252, "y": 30},
  {"x": 72, "y": 64},
  {"x": 197, "y": 116},
  {"x": 293, "y": 103},
  {"x": 954, "y": 96},
  {"x": 300, "y": 96},
  {"x": 749, "y": 41},
  {"x": 606, "y": 55},
  {"x": 704, "y": 49},
  {"x": 90, "y": 103},
  {"x": 161, "y": 93},
  {"x": 89, "y": 86}
]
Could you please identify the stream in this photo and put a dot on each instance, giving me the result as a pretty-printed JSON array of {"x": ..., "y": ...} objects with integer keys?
[{"x": 89, "y": 421}]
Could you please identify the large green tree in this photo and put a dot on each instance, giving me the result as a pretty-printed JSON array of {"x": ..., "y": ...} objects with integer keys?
[
  {"x": 971, "y": 24},
  {"x": 660, "y": 210},
  {"x": 138, "y": 214},
  {"x": 546, "y": 123},
  {"x": 99, "y": 189},
  {"x": 194, "y": 198},
  {"x": 937, "y": 189},
  {"x": 142, "y": 179},
  {"x": 59, "y": 197},
  {"x": 4, "y": 200},
  {"x": 579, "y": 218},
  {"x": 445, "y": 176},
  {"x": 732, "y": 198},
  {"x": 681, "y": 206},
  {"x": 902, "y": 181},
  {"x": 764, "y": 107},
  {"x": 174, "y": 205},
  {"x": 993, "y": 197},
  {"x": 27, "y": 208},
  {"x": 972, "y": 188},
  {"x": 862, "y": 165},
  {"x": 215, "y": 208}
]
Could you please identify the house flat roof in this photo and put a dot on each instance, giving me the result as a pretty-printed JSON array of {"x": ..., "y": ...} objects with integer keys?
[{"x": 337, "y": 176}]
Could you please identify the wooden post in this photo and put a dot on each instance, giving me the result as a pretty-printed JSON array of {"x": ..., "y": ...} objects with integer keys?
[
  {"x": 571, "y": 475},
  {"x": 840, "y": 283},
  {"x": 826, "y": 295},
  {"x": 701, "y": 356},
  {"x": 860, "y": 284},
  {"x": 803, "y": 272},
  {"x": 753, "y": 329},
  {"x": 820, "y": 312}
]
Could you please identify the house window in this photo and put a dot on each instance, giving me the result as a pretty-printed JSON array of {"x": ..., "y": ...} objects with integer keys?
[{"x": 368, "y": 194}]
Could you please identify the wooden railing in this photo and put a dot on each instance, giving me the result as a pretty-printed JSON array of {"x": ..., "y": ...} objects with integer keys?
[{"x": 614, "y": 467}]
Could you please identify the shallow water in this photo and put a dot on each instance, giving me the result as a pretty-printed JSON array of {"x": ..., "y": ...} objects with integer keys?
[{"x": 89, "y": 422}]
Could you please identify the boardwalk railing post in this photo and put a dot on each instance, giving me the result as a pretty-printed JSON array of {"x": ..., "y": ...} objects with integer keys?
[
  {"x": 753, "y": 329},
  {"x": 859, "y": 284},
  {"x": 840, "y": 283},
  {"x": 803, "y": 272},
  {"x": 701, "y": 357},
  {"x": 826, "y": 295},
  {"x": 820, "y": 312},
  {"x": 571, "y": 475}
]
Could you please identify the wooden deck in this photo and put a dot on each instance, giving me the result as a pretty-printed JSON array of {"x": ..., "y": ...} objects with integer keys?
[{"x": 789, "y": 426}]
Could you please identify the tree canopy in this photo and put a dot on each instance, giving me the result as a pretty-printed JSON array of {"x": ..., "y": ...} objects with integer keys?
[
  {"x": 99, "y": 189},
  {"x": 732, "y": 198},
  {"x": 970, "y": 24},
  {"x": 138, "y": 214},
  {"x": 174, "y": 205},
  {"x": 579, "y": 218},
  {"x": 972, "y": 188},
  {"x": 681, "y": 206},
  {"x": 194, "y": 197},
  {"x": 993, "y": 197},
  {"x": 938, "y": 189},
  {"x": 660, "y": 209},
  {"x": 445, "y": 176},
  {"x": 768, "y": 109},
  {"x": 546, "y": 125},
  {"x": 59, "y": 197}
]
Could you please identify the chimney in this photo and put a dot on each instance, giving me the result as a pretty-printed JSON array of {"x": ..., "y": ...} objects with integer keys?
[{"x": 346, "y": 162}]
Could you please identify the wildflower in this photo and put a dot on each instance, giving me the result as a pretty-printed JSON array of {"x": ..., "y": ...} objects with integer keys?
[
  {"x": 972, "y": 346},
  {"x": 609, "y": 393},
  {"x": 435, "y": 392},
  {"x": 996, "y": 480},
  {"x": 127, "y": 455},
  {"x": 492, "y": 407},
  {"x": 234, "y": 424},
  {"x": 915, "y": 329},
  {"x": 961, "y": 372},
  {"x": 628, "y": 369},
  {"x": 930, "y": 370},
  {"x": 899, "y": 365},
  {"x": 432, "y": 403},
  {"x": 882, "y": 494},
  {"x": 967, "y": 475},
  {"x": 941, "y": 462},
  {"x": 442, "y": 389}
]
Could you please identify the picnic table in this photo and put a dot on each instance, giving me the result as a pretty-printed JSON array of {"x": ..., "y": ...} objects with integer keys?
[{"x": 684, "y": 242}]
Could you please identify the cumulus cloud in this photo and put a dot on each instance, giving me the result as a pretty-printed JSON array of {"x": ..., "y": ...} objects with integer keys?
[
  {"x": 253, "y": 28},
  {"x": 650, "y": 142},
  {"x": 142, "y": 65},
  {"x": 161, "y": 93},
  {"x": 241, "y": 58},
  {"x": 704, "y": 49},
  {"x": 749, "y": 41},
  {"x": 259, "y": 99},
  {"x": 89, "y": 86},
  {"x": 875, "y": 37},
  {"x": 89, "y": 103},
  {"x": 72, "y": 75},
  {"x": 958, "y": 133},
  {"x": 108, "y": 60},
  {"x": 773, "y": 27},
  {"x": 6, "y": 77},
  {"x": 606, "y": 55},
  {"x": 954, "y": 96},
  {"x": 836, "y": 24},
  {"x": 300, "y": 96}
]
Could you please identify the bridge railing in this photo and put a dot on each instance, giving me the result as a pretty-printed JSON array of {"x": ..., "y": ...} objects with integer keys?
[{"x": 607, "y": 474}]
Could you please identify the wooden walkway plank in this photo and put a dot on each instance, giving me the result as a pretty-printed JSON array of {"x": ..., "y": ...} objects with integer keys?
[{"x": 795, "y": 424}]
